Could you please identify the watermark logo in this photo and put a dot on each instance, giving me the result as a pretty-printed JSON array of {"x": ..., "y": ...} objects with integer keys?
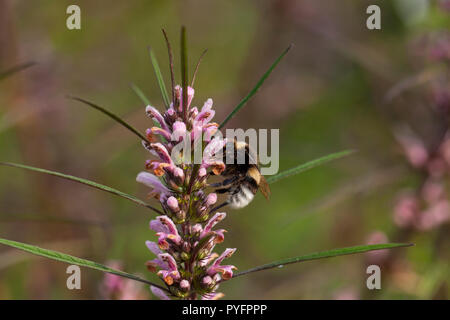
[
  {"x": 374, "y": 20},
  {"x": 374, "y": 280},
  {"x": 73, "y": 21},
  {"x": 74, "y": 280}
]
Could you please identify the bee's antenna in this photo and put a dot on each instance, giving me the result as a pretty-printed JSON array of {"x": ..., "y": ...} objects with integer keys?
[{"x": 219, "y": 206}]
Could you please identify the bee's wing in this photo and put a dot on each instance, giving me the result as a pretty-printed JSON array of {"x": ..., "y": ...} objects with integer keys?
[
  {"x": 264, "y": 187},
  {"x": 229, "y": 153},
  {"x": 252, "y": 156}
]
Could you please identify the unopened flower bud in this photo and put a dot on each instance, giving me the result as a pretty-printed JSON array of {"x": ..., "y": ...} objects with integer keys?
[
  {"x": 211, "y": 199},
  {"x": 185, "y": 285},
  {"x": 207, "y": 282},
  {"x": 172, "y": 203}
]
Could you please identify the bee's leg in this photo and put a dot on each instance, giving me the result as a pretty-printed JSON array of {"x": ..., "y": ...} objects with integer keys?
[
  {"x": 218, "y": 207},
  {"x": 224, "y": 183},
  {"x": 222, "y": 190}
]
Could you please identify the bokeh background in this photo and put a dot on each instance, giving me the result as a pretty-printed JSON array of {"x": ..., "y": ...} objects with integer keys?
[{"x": 382, "y": 92}]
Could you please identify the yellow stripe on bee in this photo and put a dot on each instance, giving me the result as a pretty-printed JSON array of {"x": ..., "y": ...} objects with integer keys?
[{"x": 253, "y": 172}]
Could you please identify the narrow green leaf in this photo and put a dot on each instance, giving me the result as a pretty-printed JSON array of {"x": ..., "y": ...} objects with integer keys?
[
  {"x": 255, "y": 89},
  {"x": 112, "y": 116},
  {"x": 325, "y": 254},
  {"x": 197, "y": 66},
  {"x": 184, "y": 71},
  {"x": 308, "y": 165},
  {"x": 172, "y": 74},
  {"x": 54, "y": 255},
  {"x": 84, "y": 181},
  {"x": 159, "y": 78},
  {"x": 145, "y": 100},
  {"x": 5, "y": 74},
  {"x": 140, "y": 94}
]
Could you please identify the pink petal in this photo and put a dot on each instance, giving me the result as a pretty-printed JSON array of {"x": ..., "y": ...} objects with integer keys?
[
  {"x": 219, "y": 216},
  {"x": 151, "y": 181},
  {"x": 157, "y": 226},
  {"x": 166, "y": 257},
  {"x": 172, "y": 203},
  {"x": 153, "y": 247},
  {"x": 155, "y": 115},
  {"x": 162, "y": 153},
  {"x": 159, "y": 293},
  {"x": 161, "y": 132}
]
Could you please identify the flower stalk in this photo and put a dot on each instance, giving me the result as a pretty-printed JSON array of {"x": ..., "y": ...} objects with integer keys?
[
  {"x": 185, "y": 257},
  {"x": 186, "y": 235}
]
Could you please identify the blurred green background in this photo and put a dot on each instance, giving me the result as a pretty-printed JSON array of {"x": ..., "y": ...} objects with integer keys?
[{"x": 342, "y": 86}]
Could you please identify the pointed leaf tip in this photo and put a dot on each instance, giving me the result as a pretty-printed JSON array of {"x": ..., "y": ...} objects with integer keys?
[
  {"x": 83, "y": 181},
  {"x": 159, "y": 78},
  {"x": 62, "y": 257},
  {"x": 140, "y": 94},
  {"x": 11, "y": 71},
  {"x": 184, "y": 71},
  {"x": 325, "y": 254},
  {"x": 308, "y": 165},
  {"x": 111, "y": 115},
  {"x": 255, "y": 88}
]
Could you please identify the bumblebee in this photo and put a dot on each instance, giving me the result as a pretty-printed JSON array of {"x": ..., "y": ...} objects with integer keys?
[{"x": 243, "y": 176}]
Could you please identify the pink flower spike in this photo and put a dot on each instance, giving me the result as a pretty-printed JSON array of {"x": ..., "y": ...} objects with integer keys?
[
  {"x": 159, "y": 293},
  {"x": 219, "y": 216},
  {"x": 155, "y": 115}
]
